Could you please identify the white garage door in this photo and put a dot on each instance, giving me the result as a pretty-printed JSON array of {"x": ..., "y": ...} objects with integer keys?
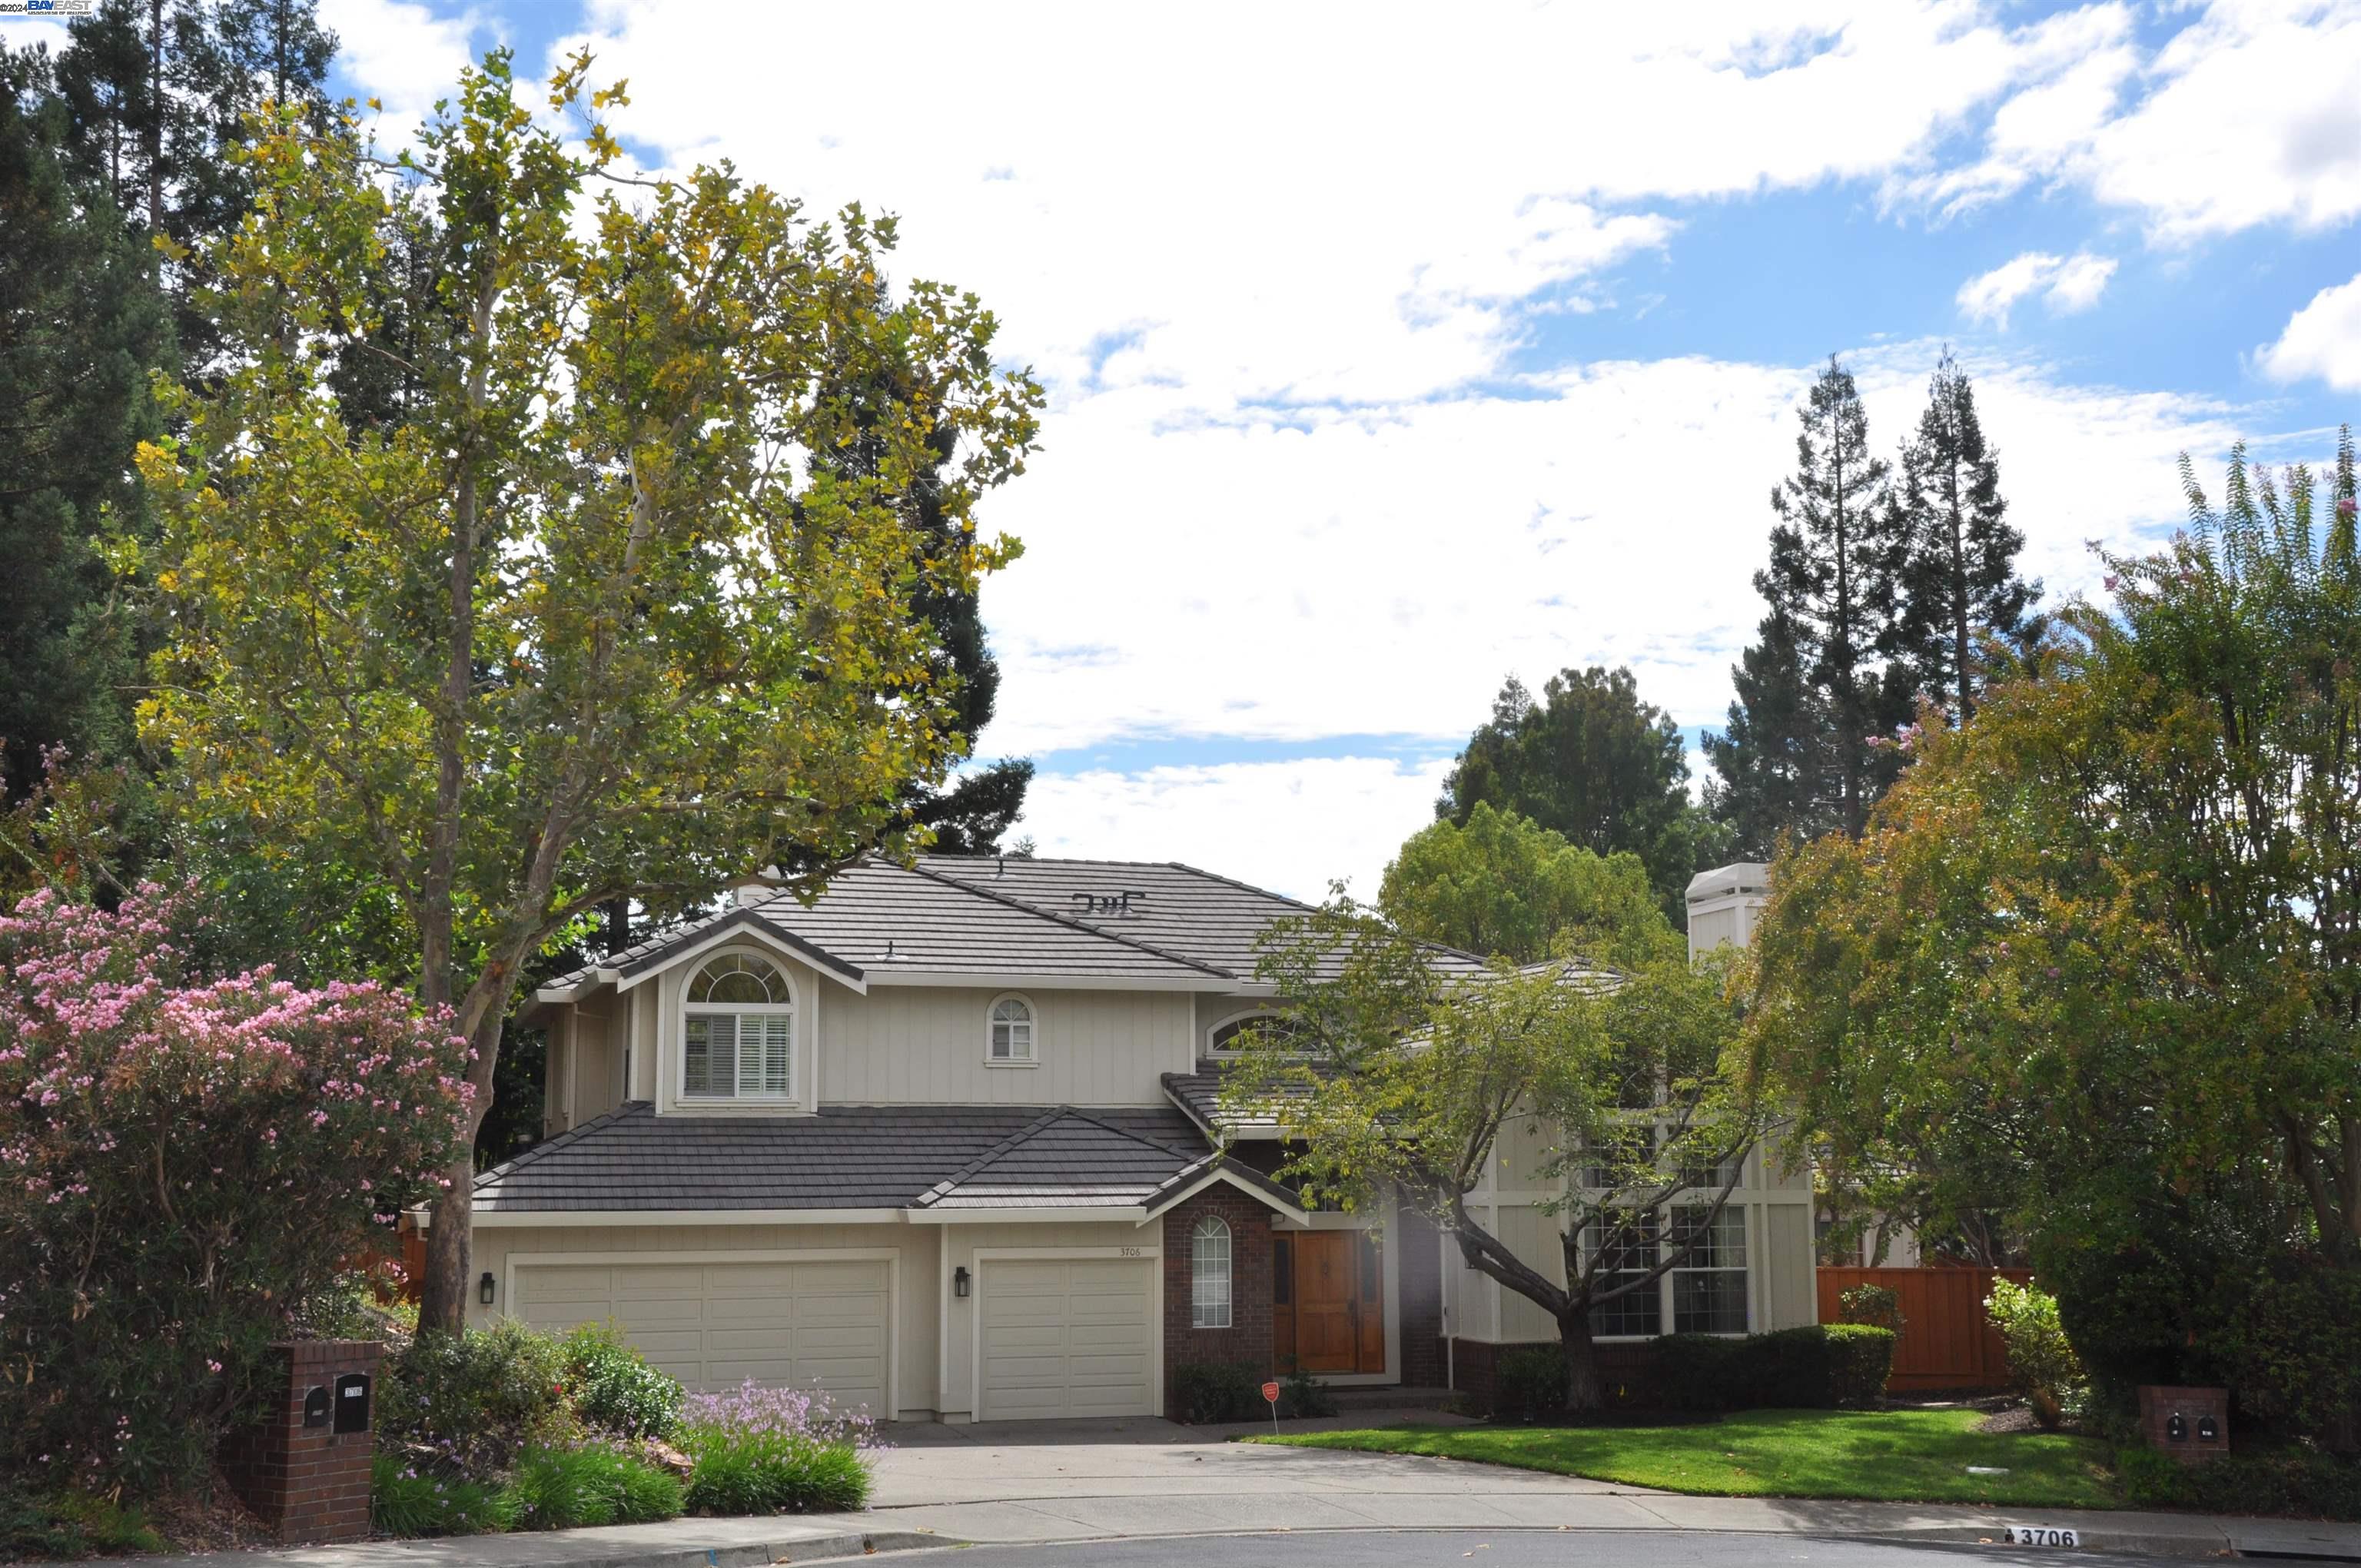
[
  {"x": 1068, "y": 1339},
  {"x": 714, "y": 1325}
]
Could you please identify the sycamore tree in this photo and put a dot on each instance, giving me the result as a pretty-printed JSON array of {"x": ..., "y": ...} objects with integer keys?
[
  {"x": 596, "y": 617},
  {"x": 2109, "y": 933},
  {"x": 1397, "y": 1076}
]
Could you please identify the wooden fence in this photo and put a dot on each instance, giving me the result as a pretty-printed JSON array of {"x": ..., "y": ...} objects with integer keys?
[{"x": 1945, "y": 1341}]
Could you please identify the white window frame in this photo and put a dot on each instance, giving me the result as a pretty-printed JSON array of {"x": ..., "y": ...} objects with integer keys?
[
  {"x": 1732, "y": 1215},
  {"x": 692, "y": 1010},
  {"x": 1210, "y": 1278},
  {"x": 992, "y": 1024}
]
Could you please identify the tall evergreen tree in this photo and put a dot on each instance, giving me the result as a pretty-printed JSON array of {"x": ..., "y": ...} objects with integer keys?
[
  {"x": 1770, "y": 764},
  {"x": 1595, "y": 764},
  {"x": 1960, "y": 583},
  {"x": 1833, "y": 588},
  {"x": 82, "y": 326}
]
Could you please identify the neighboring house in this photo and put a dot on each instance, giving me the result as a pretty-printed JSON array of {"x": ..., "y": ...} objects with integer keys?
[{"x": 945, "y": 1142}]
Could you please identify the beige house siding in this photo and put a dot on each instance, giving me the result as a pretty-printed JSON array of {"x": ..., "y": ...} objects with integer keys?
[{"x": 926, "y": 1046}]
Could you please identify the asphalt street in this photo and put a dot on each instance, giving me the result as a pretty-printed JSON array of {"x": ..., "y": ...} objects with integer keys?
[{"x": 1496, "y": 1549}]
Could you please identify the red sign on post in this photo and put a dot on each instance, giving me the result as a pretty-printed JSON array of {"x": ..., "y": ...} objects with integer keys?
[{"x": 1270, "y": 1392}]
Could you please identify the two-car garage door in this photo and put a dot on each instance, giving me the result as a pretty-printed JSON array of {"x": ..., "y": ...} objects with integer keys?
[
  {"x": 1067, "y": 1338},
  {"x": 714, "y": 1325}
]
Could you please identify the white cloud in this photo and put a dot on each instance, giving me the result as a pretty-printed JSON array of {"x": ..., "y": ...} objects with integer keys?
[
  {"x": 406, "y": 53},
  {"x": 1275, "y": 264},
  {"x": 2245, "y": 115},
  {"x": 1289, "y": 826},
  {"x": 2322, "y": 340},
  {"x": 2070, "y": 284}
]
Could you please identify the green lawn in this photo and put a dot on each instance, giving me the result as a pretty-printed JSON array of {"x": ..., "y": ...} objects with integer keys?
[{"x": 1902, "y": 1456}]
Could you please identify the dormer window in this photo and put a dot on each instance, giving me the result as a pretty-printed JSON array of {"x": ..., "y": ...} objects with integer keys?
[
  {"x": 1009, "y": 1033},
  {"x": 740, "y": 1039}
]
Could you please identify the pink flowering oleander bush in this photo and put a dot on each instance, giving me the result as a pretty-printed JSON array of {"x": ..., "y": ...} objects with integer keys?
[
  {"x": 770, "y": 1451},
  {"x": 185, "y": 1161}
]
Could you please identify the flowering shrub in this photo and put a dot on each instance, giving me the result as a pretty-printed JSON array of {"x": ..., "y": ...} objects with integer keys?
[
  {"x": 613, "y": 1387},
  {"x": 183, "y": 1163},
  {"x": 762, "y": 1451}
]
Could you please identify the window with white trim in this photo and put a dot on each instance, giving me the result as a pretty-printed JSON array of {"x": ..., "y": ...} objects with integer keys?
[
  {"x": 1009, "y": 1033},
  {"x": 1629, "y": 1239},
  {"x": 738, "y": 1038},
  {"x": 1209, "y": 1274},
  {"x": 1710, "y": 1284}
]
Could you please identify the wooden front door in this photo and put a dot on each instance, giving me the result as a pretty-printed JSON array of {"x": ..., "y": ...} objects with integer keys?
[{"x": 1332, "y": 1301}]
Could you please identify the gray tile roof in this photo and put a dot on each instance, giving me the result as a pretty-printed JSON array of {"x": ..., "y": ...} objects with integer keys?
[
  {"x": 844, "y": 1157},
  {"x": 1198, "y": 1095},
  {"x": 1068, "y": 1158}
]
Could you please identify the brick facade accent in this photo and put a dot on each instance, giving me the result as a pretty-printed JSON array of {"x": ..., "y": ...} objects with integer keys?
[
  {"x": 310, "y": 1484},
  {"x": 1247, "y": 1342}
]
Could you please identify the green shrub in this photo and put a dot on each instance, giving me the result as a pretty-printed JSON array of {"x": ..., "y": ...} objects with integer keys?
[
  {"x": 1695, "y": 1372},
  {"x": 613, "y": 1387},
  {"x": 772, "y": 1473},
  {"x": 1529, "y": 1382},
  {"x": 1300, "y": 1394},
  {"x": 1861, "y": 1358},
  {"x": 2294, "y": 1480},
  {"x": 1816, "y": 1367},
  {"x": 1874, "y": 1305},
  {"x": 2041, "y": 1362},
  {"x": 2287, "y": 1337},
  {"x": 472, "y": 1402},
  {"x": 404, "y": 1501},
  {"x": 566, "y": 1488},
  {"x": 71, "y": 1524},
  {"x": 1203, "y": 1393}
]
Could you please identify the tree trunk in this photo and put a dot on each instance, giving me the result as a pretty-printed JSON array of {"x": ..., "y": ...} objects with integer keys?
[
  {"x": 1584, "y": 1390},
  {"x": 450, "y": 1240}
]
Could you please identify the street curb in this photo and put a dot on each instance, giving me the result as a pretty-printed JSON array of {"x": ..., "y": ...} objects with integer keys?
[
  {"x": 763, "y": 1554},
  {"x": 2207, "y": 1547}
]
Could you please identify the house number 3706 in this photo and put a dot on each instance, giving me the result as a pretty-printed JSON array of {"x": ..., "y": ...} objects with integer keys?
[{"x": 1127, "y": 1251}]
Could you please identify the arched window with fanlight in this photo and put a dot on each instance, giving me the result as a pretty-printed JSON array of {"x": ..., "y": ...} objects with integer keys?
[
  {"x": 1009, "y": 1027},
  {"x": 1209, "y": 1274},
  {"x": 739, "y": 1042}
]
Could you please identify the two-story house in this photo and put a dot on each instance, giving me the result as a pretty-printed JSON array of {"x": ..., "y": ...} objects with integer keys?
[{"x": 945, "y": 1142}]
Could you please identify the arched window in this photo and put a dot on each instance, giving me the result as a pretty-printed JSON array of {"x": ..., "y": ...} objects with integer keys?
[
  {"x": 738, "y": 1041},
  {"x": 1222, "y": 1039},
  {"x": 1209, "y": 1274},
  {"x": 1008, "y": 1033}
]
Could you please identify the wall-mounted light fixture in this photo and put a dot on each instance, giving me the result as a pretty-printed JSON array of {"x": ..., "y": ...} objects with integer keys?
[
  {"x": 959, "y": 1282},
  {"x": 484, "y": 1289}
]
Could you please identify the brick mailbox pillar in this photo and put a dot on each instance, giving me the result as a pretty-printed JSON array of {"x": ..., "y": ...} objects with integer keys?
[
  {"x": 2191, "y": 1425},
  {"x": 304, "y": 1467}
]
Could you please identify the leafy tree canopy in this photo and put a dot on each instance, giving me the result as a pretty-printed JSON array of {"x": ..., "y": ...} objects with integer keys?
[
  {"x": 1503, "y": 886},
  {"x": 2112, "y": 929},
  {"x": 1594, "y": 762},
  {"x": 600, "y": 617}
]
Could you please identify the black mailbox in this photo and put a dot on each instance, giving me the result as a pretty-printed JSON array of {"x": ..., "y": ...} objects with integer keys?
[
  {"x": 2208, "y": 1429},
  {"x": 2175, "y": 1427},
  {"x": 353, "y": 1402},
  {"x": 315, "y": 1405}
]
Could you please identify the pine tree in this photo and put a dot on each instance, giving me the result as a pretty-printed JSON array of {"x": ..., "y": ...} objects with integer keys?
[
  {"x": 82, "y": 327},
  {"x": 1809, "y": 761},
  {"x": 1960, "y": 583},
  {"x": 1771, "y": 763}
]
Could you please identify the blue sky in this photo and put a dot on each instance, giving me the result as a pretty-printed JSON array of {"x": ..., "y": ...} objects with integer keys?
[{"x": 1392, "y": 351}]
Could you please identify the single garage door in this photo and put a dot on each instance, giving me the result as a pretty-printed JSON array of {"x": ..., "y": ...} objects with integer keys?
[
  {"x": 1068, "y": 1339},
  {"x": 714, "y": 1325}
]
